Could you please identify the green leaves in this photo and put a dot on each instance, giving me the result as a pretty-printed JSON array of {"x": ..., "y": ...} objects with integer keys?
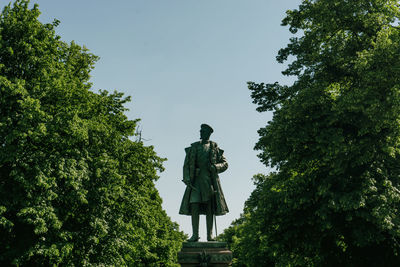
[
  {"x": 75, "y": 190},
  {"x": 334, "y": 141}
]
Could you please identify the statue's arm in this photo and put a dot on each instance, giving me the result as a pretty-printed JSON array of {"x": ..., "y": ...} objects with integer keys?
[
  {"x": 186, "y": 172},
  {"x": 221, "y": 164}
]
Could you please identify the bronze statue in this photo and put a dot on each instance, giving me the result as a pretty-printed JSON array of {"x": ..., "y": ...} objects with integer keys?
[{"x": 203, "y": 194}]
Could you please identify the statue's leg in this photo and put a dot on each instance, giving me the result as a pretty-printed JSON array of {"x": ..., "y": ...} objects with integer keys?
[
  {"x": 209, "y": 219},
  {"x": 195, "y": 222}
]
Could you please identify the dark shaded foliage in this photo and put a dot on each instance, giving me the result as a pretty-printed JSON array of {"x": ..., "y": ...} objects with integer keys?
[{"x": 334, "y": 141}]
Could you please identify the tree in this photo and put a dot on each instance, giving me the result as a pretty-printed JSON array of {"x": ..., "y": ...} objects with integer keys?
[
  {"x": 248, "y": 247},
  {"x": 333, "y": 140},
  {"x": 75, "y": 190}
]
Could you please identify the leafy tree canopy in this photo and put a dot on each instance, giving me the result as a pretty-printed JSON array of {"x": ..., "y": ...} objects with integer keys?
[
  {"x": 334, "y": 141},
  {"x": 74, "y": 189}
]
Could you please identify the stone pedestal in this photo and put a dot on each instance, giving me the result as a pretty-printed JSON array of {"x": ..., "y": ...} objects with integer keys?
[{"x": 207, "y": 254}]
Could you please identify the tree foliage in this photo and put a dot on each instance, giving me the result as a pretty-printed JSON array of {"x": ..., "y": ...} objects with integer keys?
[
  {"x": 75, "y": 190},
  {"x": 334, "y": 141},
  {"x": 244, "y": 236}
]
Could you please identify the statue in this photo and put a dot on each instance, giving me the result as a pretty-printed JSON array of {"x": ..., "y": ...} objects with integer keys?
[{"x": 203, "y": 194}]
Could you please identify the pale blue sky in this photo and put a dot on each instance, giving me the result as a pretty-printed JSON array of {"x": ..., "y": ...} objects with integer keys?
[{"x": 185, "y": 62}]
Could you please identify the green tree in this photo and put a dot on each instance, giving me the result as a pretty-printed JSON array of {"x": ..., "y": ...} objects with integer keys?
[
  {"x": 248, "y": 246},
  {"x": 333, "y": 140},
  {"x": 75, "y": 190}
]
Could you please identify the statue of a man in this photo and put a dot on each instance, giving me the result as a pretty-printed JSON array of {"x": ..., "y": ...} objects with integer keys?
[{"x": 203, "y": 194}]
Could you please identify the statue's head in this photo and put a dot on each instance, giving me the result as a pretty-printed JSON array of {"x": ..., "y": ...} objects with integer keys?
[{"x": 205, "y": 132}]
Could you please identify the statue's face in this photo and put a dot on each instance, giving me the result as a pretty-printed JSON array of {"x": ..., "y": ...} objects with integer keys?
[{"x": 204, "y": 134}]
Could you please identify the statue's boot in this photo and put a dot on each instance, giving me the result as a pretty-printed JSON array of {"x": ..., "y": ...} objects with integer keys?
[
  {"x": 209, "y": 218},
  {"x": 194, "y": 238}
]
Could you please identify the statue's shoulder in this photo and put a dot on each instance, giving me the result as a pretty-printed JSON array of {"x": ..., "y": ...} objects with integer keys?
[
  {"x": 195, "y": 144},
  {"x": 215, "y": 146},
  {"x": 192, "y": 146}
]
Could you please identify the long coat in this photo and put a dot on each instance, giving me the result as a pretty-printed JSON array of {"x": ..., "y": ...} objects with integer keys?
[{"x": 189, "y": 171}]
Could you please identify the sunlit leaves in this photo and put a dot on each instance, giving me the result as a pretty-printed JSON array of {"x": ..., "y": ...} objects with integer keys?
[{"x": 75, "y": 190}]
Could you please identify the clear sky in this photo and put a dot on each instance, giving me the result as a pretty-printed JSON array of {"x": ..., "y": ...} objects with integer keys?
[{"x": 184, "y": 62}]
